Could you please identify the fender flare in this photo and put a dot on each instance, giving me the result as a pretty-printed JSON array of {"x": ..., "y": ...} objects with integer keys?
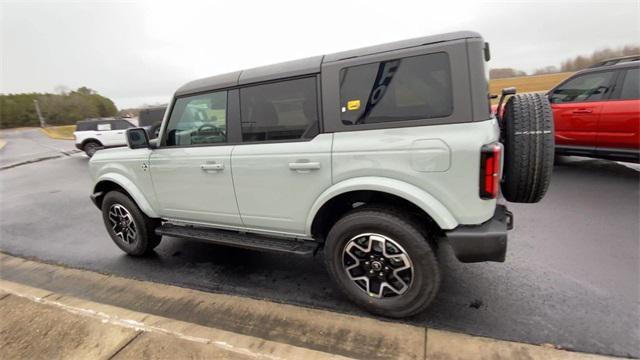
[
  {"x": 131, "y": 189},
  {"x": 425, "y": 201},
  {"x": 85, "y": 141}
]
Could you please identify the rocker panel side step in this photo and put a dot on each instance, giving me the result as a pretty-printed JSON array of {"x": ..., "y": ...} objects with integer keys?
[{"x": 240, "y": 240}]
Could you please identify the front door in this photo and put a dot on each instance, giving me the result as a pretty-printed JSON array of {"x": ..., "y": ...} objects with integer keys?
[
  {"x": 577, "y": 105},
  {"x": 283, "y": 164},
  {"x": 191, "y": 170}
]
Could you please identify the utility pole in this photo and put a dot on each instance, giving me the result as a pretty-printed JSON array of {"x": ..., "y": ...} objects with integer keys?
[{"x": 42, "y": 122}]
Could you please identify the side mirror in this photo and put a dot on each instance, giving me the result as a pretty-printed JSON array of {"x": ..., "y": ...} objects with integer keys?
[{"x": 137, "y": 138}]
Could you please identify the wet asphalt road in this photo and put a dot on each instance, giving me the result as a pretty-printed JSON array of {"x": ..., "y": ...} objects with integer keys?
[
  {"x": 571, "y": 277},
  {"x": 30, "y": 144}
]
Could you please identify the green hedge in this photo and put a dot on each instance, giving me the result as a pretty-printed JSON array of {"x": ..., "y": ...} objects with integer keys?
[{"x": 18, "y": 110}]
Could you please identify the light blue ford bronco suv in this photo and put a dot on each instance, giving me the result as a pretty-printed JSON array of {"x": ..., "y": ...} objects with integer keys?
[{"x": 376, "y": 156}]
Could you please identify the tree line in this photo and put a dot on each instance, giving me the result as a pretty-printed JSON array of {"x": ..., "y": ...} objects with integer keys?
[
  {"x": 18, "y": 110},
  {"x": 573, "y": 64}
]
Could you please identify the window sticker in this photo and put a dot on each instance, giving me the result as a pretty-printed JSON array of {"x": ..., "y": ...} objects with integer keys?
[
  {"x": 353, "y": 105},
  {"x": 104, "y": 127}
]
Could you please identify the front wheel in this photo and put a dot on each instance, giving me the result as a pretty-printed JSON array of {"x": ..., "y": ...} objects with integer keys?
[
  {"x": 129, "y": 228},
  {"x": 380, "y": 259}
]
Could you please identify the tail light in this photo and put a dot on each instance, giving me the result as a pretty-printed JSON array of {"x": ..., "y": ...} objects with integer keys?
[{"x": 490, "y": 156}]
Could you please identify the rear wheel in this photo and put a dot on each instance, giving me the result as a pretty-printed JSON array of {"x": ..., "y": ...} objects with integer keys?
[
  {"x": 90, "y": 148},
  {"x": 380, "y": 259},
  {"x": 528, "y": 137},
  {"x": 129, "y": 228}
]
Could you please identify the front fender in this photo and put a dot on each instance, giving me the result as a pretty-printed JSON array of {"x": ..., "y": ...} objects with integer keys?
[
  {"x": 132, "y": 189},
  {"x": 434, "y": 208}
]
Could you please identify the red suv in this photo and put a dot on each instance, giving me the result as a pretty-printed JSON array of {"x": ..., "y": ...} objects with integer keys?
[{"x": 597, "y": 111}]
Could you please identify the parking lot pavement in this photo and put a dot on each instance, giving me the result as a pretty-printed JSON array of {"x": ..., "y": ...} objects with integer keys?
[
  {"x": 102, "y": 316},
  {"x": 571, "y": 276},
  {"x": 31, "y": 144}
]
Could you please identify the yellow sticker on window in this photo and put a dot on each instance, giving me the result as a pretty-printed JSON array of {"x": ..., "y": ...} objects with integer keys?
[{"x": 353, "y": 104}]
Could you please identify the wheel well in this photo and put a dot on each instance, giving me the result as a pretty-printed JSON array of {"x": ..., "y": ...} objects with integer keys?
[
  {"x": 86, "y": 141},
  {"x": 104, "y": 187},
  {"x": 335, "y": 208}
]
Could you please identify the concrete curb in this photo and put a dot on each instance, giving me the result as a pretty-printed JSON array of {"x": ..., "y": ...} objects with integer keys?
[
  {"x": 135, "y": 333},
  {"x": 248, "y": 327}
]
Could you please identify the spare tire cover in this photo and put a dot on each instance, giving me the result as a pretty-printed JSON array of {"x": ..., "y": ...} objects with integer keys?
[{"x": 528, "y": 137}]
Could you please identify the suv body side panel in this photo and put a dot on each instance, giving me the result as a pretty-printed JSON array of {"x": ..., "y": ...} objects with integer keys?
[
  {"x": 273, "y": 188},
  {"x": 438, "y": 212},
  {"x": 418, "y": 156},
  {"x": 619, "y": 125},
  {"x": 576, "y": 124},
  {"x": 187, "y": 191},
  {"x": 125, "y": 169}
]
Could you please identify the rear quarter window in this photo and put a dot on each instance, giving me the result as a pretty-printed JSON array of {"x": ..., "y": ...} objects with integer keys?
[
  {"x": 631, "y": 85},
  {"x": 417, "y": 87}
]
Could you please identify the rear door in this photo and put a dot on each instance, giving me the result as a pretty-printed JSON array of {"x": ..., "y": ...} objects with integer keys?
[
  {"x": 577, "y": 104},
  {"x": 191, "y": 169},
  {"x": 104, "y": 132},
  {"x": 619, "y": 124},
  {"x": 117, "y": 133},
  {"x": 282, "y": 165}
]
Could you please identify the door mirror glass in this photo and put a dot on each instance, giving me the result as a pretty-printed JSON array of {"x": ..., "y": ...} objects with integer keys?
[{"x": 137, "y": 138}]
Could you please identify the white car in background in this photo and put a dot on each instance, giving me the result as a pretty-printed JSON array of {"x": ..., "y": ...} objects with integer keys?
[{"x": 94, "y": 134}]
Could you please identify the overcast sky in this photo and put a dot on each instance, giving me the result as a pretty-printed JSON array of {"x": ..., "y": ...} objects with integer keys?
[{"x": 139, "y": 52}]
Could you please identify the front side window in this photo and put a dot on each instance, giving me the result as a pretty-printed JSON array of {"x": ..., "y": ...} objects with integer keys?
[
  {"x": 285, "y": 110},
  {"x": 198, "y": 120},
  {"x": 631, "y": 85},
  {"x": 121, "y": 125},
  {"x": 587, "y": 87},
  {"x": 417, "y": 87}
]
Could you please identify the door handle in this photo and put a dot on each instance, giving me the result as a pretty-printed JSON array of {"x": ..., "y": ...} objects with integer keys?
[
  {"x": 582, "y": 111},
  {"x": 119, "y": 132},
  {"x": 304, "y": 166},
  {"x": 214, "y": 167}
]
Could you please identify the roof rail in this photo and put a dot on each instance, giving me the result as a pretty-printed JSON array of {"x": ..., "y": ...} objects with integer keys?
[{"x": 617, "y": 60}]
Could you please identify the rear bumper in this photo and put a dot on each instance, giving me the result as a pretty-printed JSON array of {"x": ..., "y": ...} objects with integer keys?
[{"x": 484, "y": 242}]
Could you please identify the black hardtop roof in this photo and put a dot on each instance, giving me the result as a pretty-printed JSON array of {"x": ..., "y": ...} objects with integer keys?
[
  {"x": 615, "y": 66},
  {"x": 99, "y": 119},
  {"x": 309, "y": 65}
]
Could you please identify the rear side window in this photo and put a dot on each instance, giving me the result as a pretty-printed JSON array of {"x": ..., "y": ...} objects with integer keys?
[
  {"x": 106, "y": 126},
  {"x": 285, "y": 110},
  {"x": 587, "y": 87},
  {"x": 417, "y": 87},
  {"x": 198, "y": 120},
  {"x": 631, "y": 85},
  {"x": 121, "y": 125}
]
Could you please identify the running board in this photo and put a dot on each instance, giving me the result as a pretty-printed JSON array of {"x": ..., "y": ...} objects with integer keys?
[{"x": 240, "y": 240}]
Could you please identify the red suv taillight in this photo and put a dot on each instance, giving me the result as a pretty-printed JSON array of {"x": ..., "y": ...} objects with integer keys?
[{"x": 490, "y": 156}]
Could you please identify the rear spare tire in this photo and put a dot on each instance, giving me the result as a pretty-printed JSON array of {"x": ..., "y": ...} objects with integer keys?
[{"x": 528, "y": 138}]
